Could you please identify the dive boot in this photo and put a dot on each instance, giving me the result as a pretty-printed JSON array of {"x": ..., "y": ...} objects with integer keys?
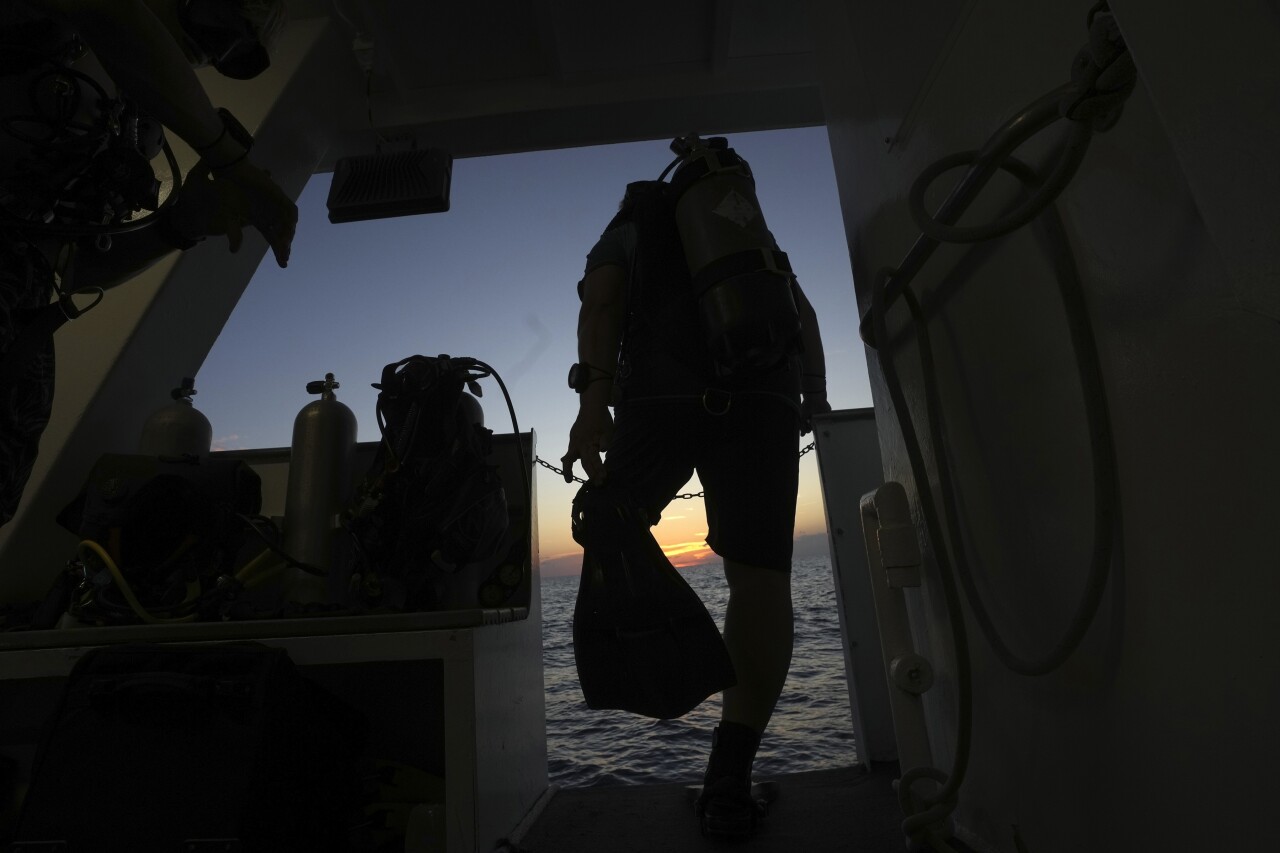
[{"x": 728, "y": 806}]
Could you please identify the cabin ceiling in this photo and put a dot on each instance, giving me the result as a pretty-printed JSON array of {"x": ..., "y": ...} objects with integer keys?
[{"x": 516, "y": 75}]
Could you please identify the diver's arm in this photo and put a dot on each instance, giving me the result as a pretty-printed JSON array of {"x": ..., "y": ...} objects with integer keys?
[
  {"x": 600, "y": 322},
  {"x": 813, "y": 360},
  {"x": 813, "y": 363}
]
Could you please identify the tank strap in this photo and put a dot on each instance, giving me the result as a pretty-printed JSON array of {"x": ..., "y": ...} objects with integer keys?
[
  {"x": 708, "y": 162},
  {"x": 741, "y": 263},
  {"x": 715, "y": 400}
]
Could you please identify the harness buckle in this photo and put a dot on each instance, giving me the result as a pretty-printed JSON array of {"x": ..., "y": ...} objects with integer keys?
[{"x": 716, "y": 401}]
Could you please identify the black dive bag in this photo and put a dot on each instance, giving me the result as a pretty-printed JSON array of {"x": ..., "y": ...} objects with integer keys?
[
  {"x": 165, "y": 747},
  {"x": 642, "y": 639}
]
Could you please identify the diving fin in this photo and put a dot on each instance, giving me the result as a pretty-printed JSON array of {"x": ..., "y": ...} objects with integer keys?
[{"x": 642, "y": 639}]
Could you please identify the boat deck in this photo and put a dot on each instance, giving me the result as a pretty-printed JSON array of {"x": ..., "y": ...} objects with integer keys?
[{"x": 822, "y": 810}]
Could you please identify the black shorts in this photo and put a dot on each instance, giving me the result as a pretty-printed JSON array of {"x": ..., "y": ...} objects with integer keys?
[{"x": 746, "y": 458}]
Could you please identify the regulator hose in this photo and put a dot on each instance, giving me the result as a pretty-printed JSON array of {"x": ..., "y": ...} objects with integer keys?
[{"x": 1103, "y": 75}]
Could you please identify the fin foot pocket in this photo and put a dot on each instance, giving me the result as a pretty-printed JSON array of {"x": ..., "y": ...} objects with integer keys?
[{"x": 730, "y": 810}]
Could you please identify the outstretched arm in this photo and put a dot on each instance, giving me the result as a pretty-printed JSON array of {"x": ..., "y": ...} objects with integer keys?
[{"x": 600, "y": 322}]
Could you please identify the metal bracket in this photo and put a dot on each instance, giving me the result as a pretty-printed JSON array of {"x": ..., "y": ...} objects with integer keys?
[
  {"x": 912, "y": 672},
  {"x": 893, "y": 558}
]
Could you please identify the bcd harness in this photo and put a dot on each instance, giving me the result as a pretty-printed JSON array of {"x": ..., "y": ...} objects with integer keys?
[{"x": 710, "y": 302}]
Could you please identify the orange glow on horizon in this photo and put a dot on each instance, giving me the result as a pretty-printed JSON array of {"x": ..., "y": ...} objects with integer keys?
[{"x": 684, "y": 554}]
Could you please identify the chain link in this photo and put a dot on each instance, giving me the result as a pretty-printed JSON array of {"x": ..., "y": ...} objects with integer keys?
[{"x": 684, "y": 496}]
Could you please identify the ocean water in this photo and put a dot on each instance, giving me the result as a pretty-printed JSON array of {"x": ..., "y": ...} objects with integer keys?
[{"x": 811, "y": 728}]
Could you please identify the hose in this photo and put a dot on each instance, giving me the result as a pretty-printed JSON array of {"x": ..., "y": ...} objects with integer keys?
[
  {"x": 1103, "y": 76},
  {"x": 88, "y": 546}
]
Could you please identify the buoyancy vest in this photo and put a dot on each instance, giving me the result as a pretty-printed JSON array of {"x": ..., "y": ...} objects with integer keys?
[
  {"x": 742, "y": 282},
  {"x": 665, "y": 350}
]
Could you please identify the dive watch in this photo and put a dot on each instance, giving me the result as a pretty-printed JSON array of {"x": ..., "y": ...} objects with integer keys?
[{"x": 580, "y": 376}]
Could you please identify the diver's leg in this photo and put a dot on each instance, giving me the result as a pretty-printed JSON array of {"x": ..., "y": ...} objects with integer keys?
[
  {"x": 759, "y": 631},
  {"x": 750, "y": 524}
]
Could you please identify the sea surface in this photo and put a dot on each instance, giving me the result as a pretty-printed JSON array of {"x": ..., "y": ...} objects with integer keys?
[{"x": 811, "y": 728}]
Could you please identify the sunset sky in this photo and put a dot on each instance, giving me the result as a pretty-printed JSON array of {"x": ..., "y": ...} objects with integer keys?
[{"x": 494, "y": 278}]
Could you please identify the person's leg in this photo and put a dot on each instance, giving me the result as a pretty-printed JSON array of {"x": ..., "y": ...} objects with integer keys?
[
  {"x": 758, "y": 630},
  {"x": 751, "y": 520}
]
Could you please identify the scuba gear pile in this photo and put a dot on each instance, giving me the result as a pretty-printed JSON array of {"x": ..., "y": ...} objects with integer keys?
[
  {"x": 430, "y": 502},
  {"x": 159, "y": 537},
  {"x": 163, "y": 537},
  {"x": 80, "y": 177},
  {"x": 741, "y": 280},
  {"x": 642, "y": 639},
  {"x": 85, "y": 167}
]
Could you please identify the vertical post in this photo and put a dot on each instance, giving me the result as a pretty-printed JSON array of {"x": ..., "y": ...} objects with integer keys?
[
  {"x": 893, "y": 562},
  {"x": 848, "y": 451}
]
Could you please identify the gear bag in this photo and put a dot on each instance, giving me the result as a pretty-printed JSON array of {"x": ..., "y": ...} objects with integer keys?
[{"x": 430, "y": 502}]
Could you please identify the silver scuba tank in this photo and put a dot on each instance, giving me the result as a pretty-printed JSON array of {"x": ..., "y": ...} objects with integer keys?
[
  {"x": 321, "y": 478},
  {"x": 178, "y": 428},
  {"x": 470, "y": 412},
  {"x": 741, "y": 279}
]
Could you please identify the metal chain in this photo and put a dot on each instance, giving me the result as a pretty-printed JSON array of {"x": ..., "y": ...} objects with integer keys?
[{"x": 684, "y": 496}]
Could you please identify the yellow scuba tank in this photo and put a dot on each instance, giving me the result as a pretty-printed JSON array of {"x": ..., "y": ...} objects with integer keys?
[{"x": 741, "y": 280}]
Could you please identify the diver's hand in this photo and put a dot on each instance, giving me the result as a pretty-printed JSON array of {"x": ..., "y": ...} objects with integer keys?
[
  {"x": 262, "y": 204},
  {"x": 209, "y": 208},
  {"x": 810, "y": 405},
  {"x": 590, "y": 436}
]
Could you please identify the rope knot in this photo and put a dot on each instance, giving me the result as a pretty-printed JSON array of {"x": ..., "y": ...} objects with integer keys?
[{"x": 1103, "y": 73}]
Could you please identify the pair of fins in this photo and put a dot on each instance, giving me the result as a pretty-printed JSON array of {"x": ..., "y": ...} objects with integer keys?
[{"x": 642, "y": 639}]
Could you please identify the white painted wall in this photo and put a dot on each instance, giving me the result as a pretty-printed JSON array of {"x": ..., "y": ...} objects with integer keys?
[{"x": 1159, "y": 733}]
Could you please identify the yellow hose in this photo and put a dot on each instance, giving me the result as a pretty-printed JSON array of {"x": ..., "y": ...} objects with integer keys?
[
  {"x": 243, "y": 573},
  {"x": 88, "y": 545}
]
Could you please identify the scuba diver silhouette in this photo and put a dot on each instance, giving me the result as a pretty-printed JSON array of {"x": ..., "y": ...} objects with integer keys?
[{"x": 694, "y": 329}]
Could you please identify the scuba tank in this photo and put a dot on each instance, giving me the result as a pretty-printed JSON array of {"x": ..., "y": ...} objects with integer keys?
[
  {"x": 741, "y": 281},
  {"x": 470, "y": 412},
  {"x": 177, "y": 429},
  {"x": 321, "y": 478}
]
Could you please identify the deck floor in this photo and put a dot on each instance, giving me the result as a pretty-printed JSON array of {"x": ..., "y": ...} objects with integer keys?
[{"x": 847, "y": 809}]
